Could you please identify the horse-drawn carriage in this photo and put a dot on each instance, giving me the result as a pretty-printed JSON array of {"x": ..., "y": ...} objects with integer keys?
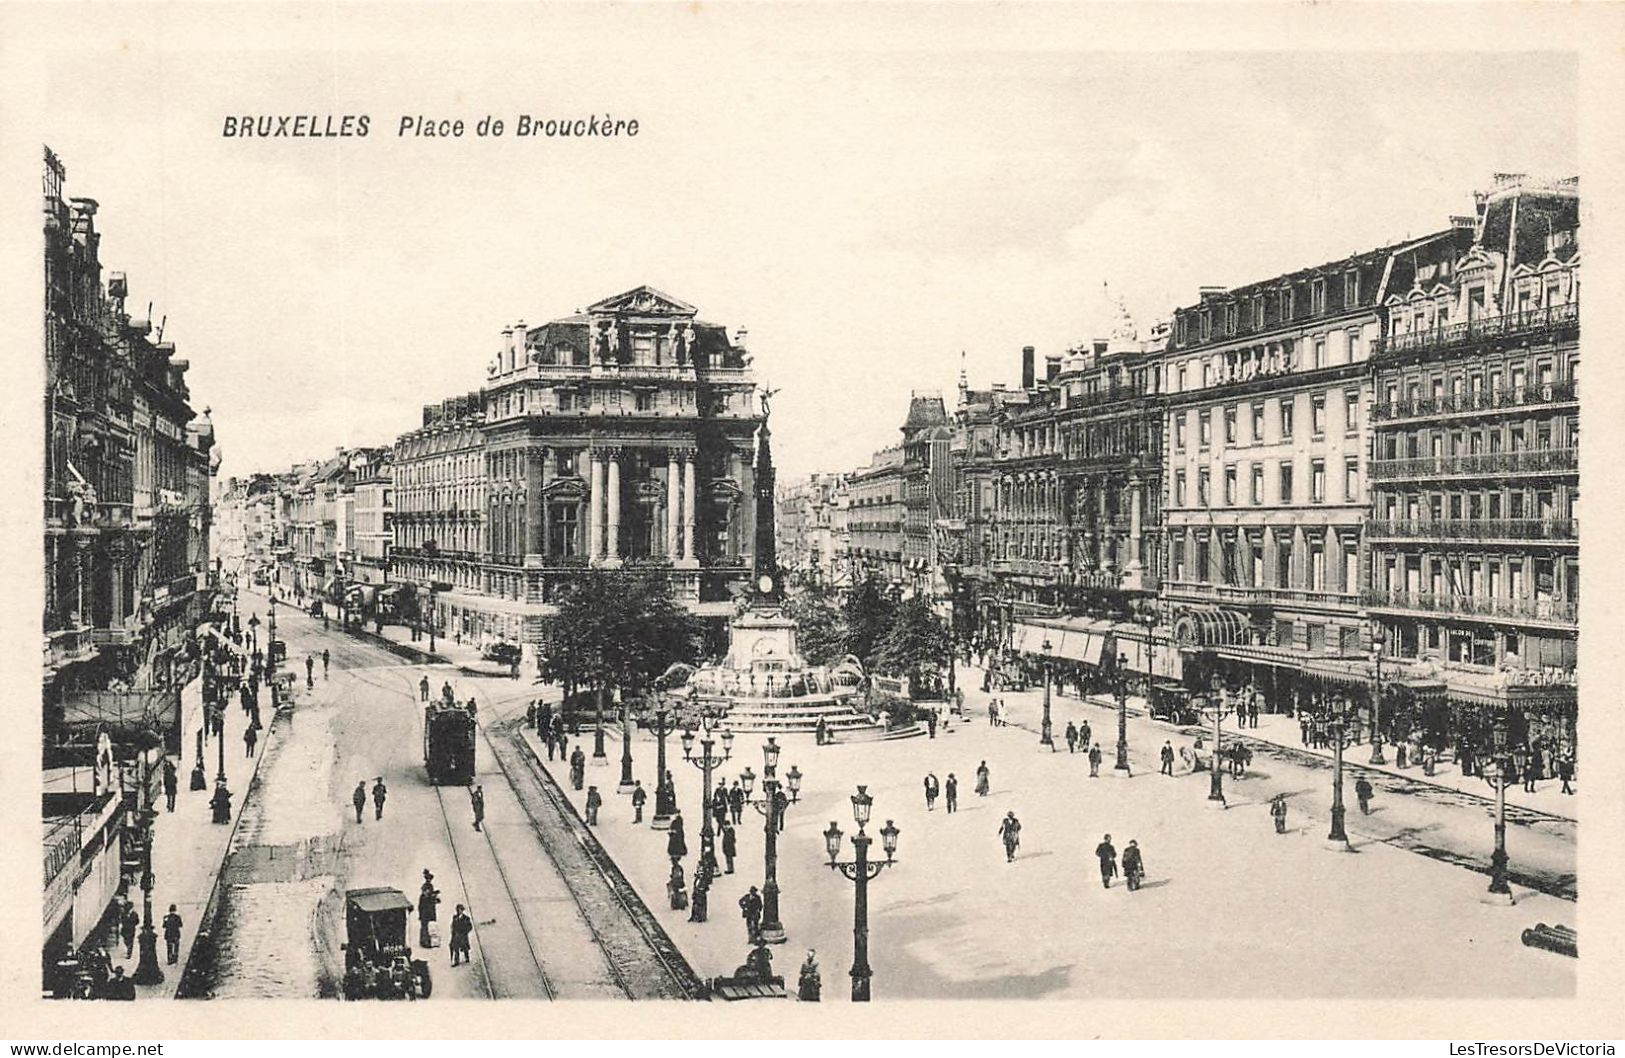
[{"x": 378, "y": 963}]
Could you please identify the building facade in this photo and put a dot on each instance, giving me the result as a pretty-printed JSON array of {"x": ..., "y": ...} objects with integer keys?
[
  {"x": 1475, "y": 534},
  {"x": 813, "y": 541},
  {"x": 875, "y": 519},
  {"x": 439, "y": 516}
]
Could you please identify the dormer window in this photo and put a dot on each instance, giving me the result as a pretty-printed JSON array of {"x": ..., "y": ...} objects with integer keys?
[
  {"x": 1289, "y": 303},
  {"x": 1317, "y": 296},
  {"x": 1351, "y": 289},
  {"x": 1258, "y": 311},
  {"x": 1231, "y": 318}
]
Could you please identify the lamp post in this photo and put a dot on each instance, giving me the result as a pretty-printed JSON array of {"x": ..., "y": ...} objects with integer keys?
[
  {"x": 1219, "y": 708},
  {"x": 705, "y": 762},
  {"x": 665, "y": 802},
  {"x": 1150, "y": 618},
  {"x": 270, "y": 648},
  {"x": 1121, "y": 767},
  {"x": 432, "y": 617},
  {"x": 626, "y": 784},
  {"x": 1500, "y": 757},
  {"x": 1376, "y": 696},
  {"x": 147, "y": 971},
  {"x": 1046, "y": 736},
  {"x": 860, "y": 870},
  {"x": 771, "y": 930},
  {"x": 1338, "y": 728}
]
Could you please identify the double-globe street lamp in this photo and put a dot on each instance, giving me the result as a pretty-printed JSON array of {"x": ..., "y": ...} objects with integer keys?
[
  {"x": 147, "y": 971},
  {"x": 705, "y": 762},
  {"x": 1046, "y": 736},
  {"x": 1337, "y": 728},
  {"x": 1377, "y": 641},
  {"x": 860, "y": 870},
  {"x": 1120, "y": 687},
  {"x": 1496, "y": 775},
  {"x": 772, "y": 804},
  {"x": 665, "y": 798},
  {"x": 1218, "y": 708}
]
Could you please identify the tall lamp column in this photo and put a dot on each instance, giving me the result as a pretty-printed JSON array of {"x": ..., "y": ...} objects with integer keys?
[
  {"x": 861, "y": 871},
  {"x": 1046, "y": 736},
  {"x": 1121, "y": 689},
  {"x": 1376, "y": 696},
  {"x": 772, "y": 807},
  {"x": 705, "y": 762},
  {"x": 665, "y": 802}
]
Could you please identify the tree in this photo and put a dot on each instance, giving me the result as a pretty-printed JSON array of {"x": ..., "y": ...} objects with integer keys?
[
  {"x": 917, "y": 638},
  {"x": 868, "y": 614},
  {"x": 821, "y": 635},
  {"x": 618, "y": 630}
]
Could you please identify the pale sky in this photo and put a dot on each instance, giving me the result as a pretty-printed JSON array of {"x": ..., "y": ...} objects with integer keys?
[{"x": 867, "y": 215}]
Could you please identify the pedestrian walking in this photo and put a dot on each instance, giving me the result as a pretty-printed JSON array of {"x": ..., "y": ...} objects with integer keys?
[
  {"x": 127, "y": 928},
  {"x": 699, "y": 906},
  {"x": 1362, "y": 791},
  {"x": 1167, "y": 758},
  {"x": 172, "y": 936},
  {"x": 1004, "y": 714},
  {"x": 950, "y": 793},
  {"x": 1083, "y": 736},
  {"x": 931, "y": 723},
  {"x": 992, "y": 712},
  {"x": 1565, "y": 772},
  {"x": 250, "y": 736},
  {"x": 1133, "y": 865},
  {"x": 595, "y": 801},
  {"x": 676, "y": 846},
  {"x": 171, "y": 784},
  {"x": 428, "y": 902},
  {"x": 736, "y": 802},
  {"x": 1010, "y": 832},
  {"x": 476, "y": 801},
  {"x": 379, "y": 794},
  {"x": 310, "y": 670},
  {"x": 810, "y": 985},
  {"x": 719, "y": 805},
  {"x": 930, "y": 791},
  {"x": 1278, "y": 812},
  {"x": 750, "y": 908},
  {"x": 462, "y": 928},
  {"x": 981, "y": 779},
  {"x": 423, "y": 688},
  {"x": 1106, "y": 853},
  {"x": 781, "y": 807},
  {"x": 1400, "y": 755},
  {"x": 730, "y": 847},
  {"x": 1071, "y": 737},
  {"x": 359, "y": 799},
  {"x": 578, "y": 768},
  {"x": 530, "y": 715},
  {"x": 821, "y": 733},
  {"x": 640, "y": 797},
  {"x": 324, "y": 664},
  {"x": 1094, "y": 761}
]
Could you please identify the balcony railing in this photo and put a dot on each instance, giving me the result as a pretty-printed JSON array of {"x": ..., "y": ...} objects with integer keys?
[
  {"x": 1262, "y": 596},
  {"x": 1552, "y": 610},
  {"x": 1528, "y": 461},
  {"x": 1477, "y": 529},
  {"x": 1505, "y": 398},
  {"x": 1508, "y": 325}
]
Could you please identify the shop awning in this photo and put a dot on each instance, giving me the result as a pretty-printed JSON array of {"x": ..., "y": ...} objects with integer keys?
[
  {"x": 1210, "y": 627},
  {"x": 367, "y": 593},
  {"x": 1069, "y": 638}
]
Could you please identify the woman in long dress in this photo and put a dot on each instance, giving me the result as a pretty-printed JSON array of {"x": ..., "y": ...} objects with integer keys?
[{"x": 981, "y": 779}]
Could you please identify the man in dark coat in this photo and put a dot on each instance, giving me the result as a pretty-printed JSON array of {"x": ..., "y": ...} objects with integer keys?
[
  {"x": 1565, "y": 772},
  {"x": 359, "y": 799},
  {"x": 129, "y": 920},
  {"x": 1133, "y": 866},
  {"x": 1083, "y": 736},
  {"x": 730, "y": 846},
  {"x": 1278, "y": 813},
  {"x": 781, "y": 803},
  {"x": 462, "y": 928},
  {"x": 250, "y": 737},
  {"x": 1010, "y": 831},
  {"x": 1106, "y": 853},
  {"x": 640, "y": 797},
  {"x": 1362, "y": 792},
  {"x": 719, "y": 805},
  {"x": 676, "y": 846},
  {"x": 578, "y": 768},
  {"x": 171, "y": 783},
  {"x": 1071, "y": 737},
  {"x": 736, "y": 802},
  {"x": 1167, "y": 758},
  {"x": 423, "y": 689},
  {"x": 379, "y": 793},
  {"x": 1094, "y": 761},
  {"x": 428, "y": 901},
  {"x": 950, "y": 791},
  {"x": 476, "y": 798},
  {"x": 750, "y": 907},
  {"x": 172, "y": 935},
  {"x": 595, "y": 801}
]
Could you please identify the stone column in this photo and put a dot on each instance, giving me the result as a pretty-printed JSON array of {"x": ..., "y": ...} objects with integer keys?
[
  {"x": 673, "y": 499},
  {"x": 595, "y": 500},
  {"x": 691, "y": 553},
  {"x": 612, "y": 503},
  {"x": 535, "y": 535},
  {"x": 1136, "y": 493}
]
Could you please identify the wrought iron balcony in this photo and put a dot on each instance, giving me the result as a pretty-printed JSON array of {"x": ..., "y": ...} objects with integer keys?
[
  {"x": 1555, "y": 611},
  {"x": 1503, "y": 399},
  {"x": 1249, "y": 595},
  {"x": 1527, "y": 461},
  {"x": 1508, "y": 325},
  {"x": 1567, "y": 529}
]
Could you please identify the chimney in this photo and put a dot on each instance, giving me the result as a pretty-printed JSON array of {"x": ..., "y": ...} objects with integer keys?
[
  {"x": 1052, "y": 368},
  {"x": 740, "y": 336},
  {"x": 1027, "y": 367},
  {"x": 520, "y": 340}
]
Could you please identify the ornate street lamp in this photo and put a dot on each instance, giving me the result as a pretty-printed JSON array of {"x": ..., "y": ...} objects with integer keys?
[
  {"x": 860, "y": 870},
  {"x": 1496, "y": 775},
  {"x": 1218, "y": 708},
  {"x": 771, "y": 930},
  {"x": 1376, "y": 696},
  {"x": 147, "y": 971},
  {"x": 1046, "y": 735},
  {"x": 1120, "y": 687},
  {"x": 705, "y": 762},
  {"x": 270, "y": 648},
  {"x": 665, "y": 798},
  {"x": 1338, "y": 728},
  {"x": 626, "y": 784}
]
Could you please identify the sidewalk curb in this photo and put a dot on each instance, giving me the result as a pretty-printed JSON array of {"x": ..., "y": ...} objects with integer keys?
[{"x": 191, "y": 983}]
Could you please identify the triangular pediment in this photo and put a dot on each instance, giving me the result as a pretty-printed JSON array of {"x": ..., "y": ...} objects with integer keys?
[{"x": 642, "y": 301}]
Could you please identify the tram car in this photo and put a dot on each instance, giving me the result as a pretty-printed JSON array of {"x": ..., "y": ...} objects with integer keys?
[
  {"x": 378, "y": 962},
  {"x": 448, "y": 743}
]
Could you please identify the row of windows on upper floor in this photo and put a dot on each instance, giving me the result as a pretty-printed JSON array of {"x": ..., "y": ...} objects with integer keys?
[
  {"x": 539, "y": 400},
  {"x": 1258, "y": 420},
  {"x": 1494, "y": 502},
  {"x": 1266, "y": 307},
  {"x": 1256, "y": 494},
  {"x": 1538, "y": 290},
  {"x": 1432, "y": 440},
  {"x": 1508, "y": 375}
]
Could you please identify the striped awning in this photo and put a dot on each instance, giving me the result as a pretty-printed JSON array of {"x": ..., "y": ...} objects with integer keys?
[{"x": 1210, "y": 627}]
